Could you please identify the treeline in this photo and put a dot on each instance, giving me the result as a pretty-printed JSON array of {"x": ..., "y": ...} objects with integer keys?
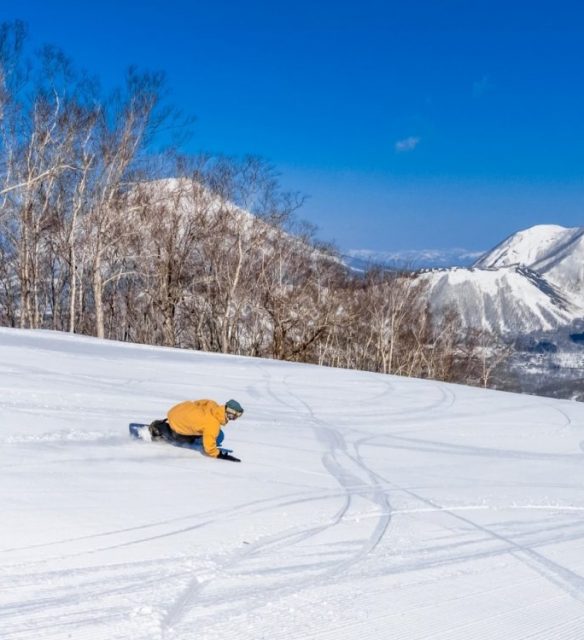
[{"x": 103, "y": 233}]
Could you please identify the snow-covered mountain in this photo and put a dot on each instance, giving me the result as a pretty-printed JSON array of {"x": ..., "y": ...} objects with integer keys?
[
  {"x": 555, "y": 252},
  {"x": 533, "y": 281},
  {"x": 509, "y": 299},
  {"x": 366, "y": 506},
  {"x": 418, "y": 259}
]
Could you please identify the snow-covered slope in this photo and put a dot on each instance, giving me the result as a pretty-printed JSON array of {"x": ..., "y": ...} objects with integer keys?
[
  {"x": 508, "y": 299},
  {"x": 366, "y": 506},
  {"x": 552, "y": 251},
  {"x": 525, "y": 247},
  {"x": 533, "y": 281}
]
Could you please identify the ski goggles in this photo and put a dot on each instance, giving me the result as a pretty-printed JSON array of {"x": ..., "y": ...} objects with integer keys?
[{"x": 232, "y": 414}]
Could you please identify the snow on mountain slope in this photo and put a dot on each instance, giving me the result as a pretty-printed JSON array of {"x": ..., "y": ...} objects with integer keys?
[
  {"x": 525, "y": 247},
  {"x": 366, "y": 506},
  {"x": 553, "y": 251},
  {"x": 533, "y": 281},
  {"x": 508, "y": 300},
  {"x": 419, "y": 259}
]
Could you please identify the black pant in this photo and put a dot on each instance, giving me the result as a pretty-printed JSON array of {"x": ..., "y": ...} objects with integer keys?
[{"x": 166, "y": 432}]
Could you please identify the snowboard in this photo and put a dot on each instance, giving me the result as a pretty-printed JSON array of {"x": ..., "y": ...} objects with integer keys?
[{"x": 139, "y": 431}]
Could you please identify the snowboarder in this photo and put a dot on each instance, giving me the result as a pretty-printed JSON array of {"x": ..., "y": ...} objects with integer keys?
[{"x": 195, "y": 420}]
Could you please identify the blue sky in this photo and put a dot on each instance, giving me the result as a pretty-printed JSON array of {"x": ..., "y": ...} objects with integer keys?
[{"x": 410, "y": 125}]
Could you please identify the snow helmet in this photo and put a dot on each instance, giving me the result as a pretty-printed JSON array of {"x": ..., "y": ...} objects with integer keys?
[{"x": 233, "y": 409}]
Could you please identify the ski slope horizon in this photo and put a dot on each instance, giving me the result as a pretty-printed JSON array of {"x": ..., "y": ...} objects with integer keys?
[{"x": 366, "y": 506}]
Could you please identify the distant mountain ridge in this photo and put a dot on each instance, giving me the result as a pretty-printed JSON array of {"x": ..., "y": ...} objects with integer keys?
[
  {"x": 532, "y": 281},
  {"x": 416, "y": 259}
]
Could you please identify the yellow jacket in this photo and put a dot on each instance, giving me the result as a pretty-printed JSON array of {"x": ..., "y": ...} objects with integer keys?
[{"x": 199, "y": 418}]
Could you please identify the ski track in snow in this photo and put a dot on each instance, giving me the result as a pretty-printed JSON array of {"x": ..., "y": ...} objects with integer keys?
[{"x": 367, "y": 506}]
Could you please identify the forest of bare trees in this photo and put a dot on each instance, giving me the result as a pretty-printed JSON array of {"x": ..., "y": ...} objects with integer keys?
[{"x": 106, "y": 230}]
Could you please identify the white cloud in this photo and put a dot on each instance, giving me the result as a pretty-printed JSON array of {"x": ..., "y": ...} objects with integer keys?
[{"x": 407, "y": 144}]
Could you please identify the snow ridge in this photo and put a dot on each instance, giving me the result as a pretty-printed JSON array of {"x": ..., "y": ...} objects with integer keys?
[
  {"x": 532, "y": 281},
  {"x": 555, "y": 252}
]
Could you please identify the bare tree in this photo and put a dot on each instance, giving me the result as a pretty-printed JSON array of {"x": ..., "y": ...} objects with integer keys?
[{"x": 123, "y": 127}]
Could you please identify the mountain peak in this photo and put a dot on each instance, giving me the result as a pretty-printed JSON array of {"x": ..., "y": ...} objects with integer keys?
[
  {"x": 551, "y": 250},
  {"x": 529, "y": 246},
  {"x": 532, "y": 281}
]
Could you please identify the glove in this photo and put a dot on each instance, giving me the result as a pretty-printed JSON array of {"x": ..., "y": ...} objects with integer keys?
[{"x": 227, "y": 456}]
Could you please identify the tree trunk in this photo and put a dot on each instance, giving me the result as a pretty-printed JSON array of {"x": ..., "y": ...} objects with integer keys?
[{"x": 97, "y": 280}]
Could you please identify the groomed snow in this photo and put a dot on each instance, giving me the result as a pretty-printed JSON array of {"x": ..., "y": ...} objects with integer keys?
[{"x": 366, "y": 506}]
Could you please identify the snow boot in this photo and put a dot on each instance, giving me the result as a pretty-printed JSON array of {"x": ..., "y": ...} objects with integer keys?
[{"x": 154, "y": 429}]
